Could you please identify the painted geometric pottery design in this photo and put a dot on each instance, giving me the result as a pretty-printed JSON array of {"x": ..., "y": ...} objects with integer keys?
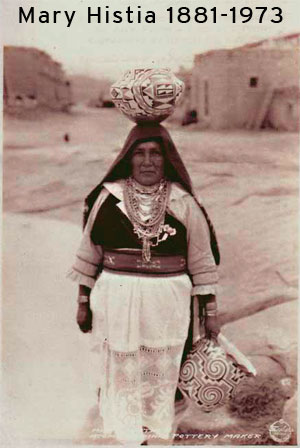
[
  {"x": 147, "y": 95},
  {"x": 208, "y": 377}
]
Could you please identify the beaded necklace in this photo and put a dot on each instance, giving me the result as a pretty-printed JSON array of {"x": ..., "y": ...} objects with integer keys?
[{"x": 146, "y": 207}]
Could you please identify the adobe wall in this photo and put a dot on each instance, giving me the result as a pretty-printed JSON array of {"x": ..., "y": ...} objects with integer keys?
[
  {"x": 273, "y": 68},
  {"x": 20, "y": 73},
  {"x": 32, "y": 78},
  {"x": 284, "y": 112},
  {"x": 213, "y": 70},
  {"x": 233, "y": 102}
]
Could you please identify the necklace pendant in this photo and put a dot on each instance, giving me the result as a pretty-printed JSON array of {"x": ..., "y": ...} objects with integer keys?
[{"x": 146, "y": 252}]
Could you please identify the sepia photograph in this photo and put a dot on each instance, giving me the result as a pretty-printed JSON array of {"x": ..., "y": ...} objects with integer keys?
[{"x": 150, "y": 209}]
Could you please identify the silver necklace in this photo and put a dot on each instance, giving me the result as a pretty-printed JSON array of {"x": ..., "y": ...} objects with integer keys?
[{"x": 156, "y": 195}]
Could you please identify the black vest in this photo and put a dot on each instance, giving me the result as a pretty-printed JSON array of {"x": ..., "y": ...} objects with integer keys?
[{"x": 113, "y": 230}]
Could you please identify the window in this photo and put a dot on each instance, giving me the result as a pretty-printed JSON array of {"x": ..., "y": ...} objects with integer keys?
[{"x": 253, "y": 81}]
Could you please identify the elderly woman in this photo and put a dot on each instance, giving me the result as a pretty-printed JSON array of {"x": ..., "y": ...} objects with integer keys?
[{"x": 147, "y": 248}]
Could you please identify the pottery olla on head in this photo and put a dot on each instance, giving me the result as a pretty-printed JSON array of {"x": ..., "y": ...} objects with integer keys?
[{"x": 147, "y": 95}]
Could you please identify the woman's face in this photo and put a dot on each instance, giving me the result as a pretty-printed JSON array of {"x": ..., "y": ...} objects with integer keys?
[{"x": 147, "y": 163}]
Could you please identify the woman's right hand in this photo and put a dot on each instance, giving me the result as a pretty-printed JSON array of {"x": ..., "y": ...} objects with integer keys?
[{"x": 84, "y": 317}]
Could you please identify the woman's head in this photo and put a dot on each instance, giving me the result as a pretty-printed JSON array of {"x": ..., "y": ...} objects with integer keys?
[
  {"x": 173, "y": 167},
  {"x": 147, "y": 162}
]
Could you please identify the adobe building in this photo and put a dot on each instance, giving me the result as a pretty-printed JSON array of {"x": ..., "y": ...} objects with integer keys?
[
  {"x": 32, "y": 78},
  {"x": 249, "y": 87},
  {"x": 183, "y": 108}
]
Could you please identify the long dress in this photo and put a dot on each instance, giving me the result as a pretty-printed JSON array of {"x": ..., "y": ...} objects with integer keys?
[{"x": 140, "y": 321}]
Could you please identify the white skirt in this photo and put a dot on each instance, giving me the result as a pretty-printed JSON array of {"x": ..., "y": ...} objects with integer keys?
[{"x": 140, "y": 324}]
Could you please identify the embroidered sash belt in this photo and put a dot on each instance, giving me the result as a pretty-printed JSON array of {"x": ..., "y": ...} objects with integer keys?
[{"x": 132, "y": 262}]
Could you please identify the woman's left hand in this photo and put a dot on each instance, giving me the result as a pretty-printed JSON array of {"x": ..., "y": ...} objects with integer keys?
[{"x": 212, "y": 327}]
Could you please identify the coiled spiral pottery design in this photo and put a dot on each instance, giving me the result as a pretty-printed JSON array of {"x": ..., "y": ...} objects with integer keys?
[{"x": 208, "y": 376}]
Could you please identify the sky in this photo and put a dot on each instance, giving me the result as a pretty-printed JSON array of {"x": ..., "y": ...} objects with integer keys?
[{"x": 108, "y": 49}]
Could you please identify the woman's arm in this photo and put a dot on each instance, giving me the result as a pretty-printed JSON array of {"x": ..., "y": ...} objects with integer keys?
[
  {"x": 202, "y": 267},
  {"x": 86, "y": 267},
  {"x": 88, "y": 260},
  {"x": 200, "y": 260},
  {"x": 84, "y": 291},
  {"x": 85, "y": 271},
  {"x": 209, "y": 314},
  {"x": 84, "y": 314}
]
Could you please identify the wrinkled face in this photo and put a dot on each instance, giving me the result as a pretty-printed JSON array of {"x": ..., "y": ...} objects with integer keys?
[{"x": 147, "y": 163}]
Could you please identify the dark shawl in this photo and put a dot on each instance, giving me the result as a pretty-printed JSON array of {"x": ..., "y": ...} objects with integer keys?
[{"x": 174, "y": 168}]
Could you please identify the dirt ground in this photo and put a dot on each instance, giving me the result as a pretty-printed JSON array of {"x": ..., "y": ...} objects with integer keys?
[{"x": 249, "y": 185}]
